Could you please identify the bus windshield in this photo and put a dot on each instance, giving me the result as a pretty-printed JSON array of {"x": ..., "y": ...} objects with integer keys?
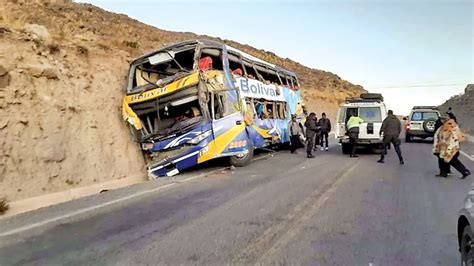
[{"x": 161, "y": 68}]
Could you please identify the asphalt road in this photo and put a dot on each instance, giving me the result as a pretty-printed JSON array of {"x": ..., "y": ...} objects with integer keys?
[{"x": 282, "y": 209}]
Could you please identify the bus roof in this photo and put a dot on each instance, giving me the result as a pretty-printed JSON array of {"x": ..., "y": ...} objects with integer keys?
[{"x": 217, "y": 44}]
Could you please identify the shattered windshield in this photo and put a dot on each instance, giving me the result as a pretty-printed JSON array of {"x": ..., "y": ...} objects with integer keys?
[{"x": 161, "y": 68}]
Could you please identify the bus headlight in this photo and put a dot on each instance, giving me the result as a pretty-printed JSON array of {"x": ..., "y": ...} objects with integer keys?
[
  {"x": 147, "y": 146},
  {"x": 200, "y": 137}
]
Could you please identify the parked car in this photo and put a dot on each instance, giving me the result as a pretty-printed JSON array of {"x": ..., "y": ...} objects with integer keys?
[
  {"x": 421, "y": 122},
  {"x": 464, "y": 230},
  {"x": 371, "y": 108}
]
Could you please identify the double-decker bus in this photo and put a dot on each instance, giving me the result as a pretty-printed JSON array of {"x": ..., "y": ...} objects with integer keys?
[{"x": 197, "y": 100}]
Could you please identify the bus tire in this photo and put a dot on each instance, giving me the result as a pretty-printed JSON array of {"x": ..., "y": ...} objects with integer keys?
[{"x": 241, "y": 161}]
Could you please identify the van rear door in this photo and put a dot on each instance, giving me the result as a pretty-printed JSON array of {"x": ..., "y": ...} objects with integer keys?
[
  {"x": 372, "y": 117},
  {"x": 342, "y": 117}
]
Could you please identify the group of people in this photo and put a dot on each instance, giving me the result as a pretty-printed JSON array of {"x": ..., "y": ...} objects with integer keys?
[
  {"x": 445, "y": 147},
  {"x": 317, "y": 132}
]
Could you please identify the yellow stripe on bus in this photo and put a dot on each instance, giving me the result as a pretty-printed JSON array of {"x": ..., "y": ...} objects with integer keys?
[
  {"x": 216, "y": 146},
  {"x": 151, "y": 94},
  {"x": 262, "y": 132}
]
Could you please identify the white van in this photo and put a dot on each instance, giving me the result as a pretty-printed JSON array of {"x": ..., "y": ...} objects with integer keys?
[{"x": 371, "y": 108}]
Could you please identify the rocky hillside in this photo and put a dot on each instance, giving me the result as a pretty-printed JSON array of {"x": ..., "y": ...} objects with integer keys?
[
  {"x": 463, "y": 108},
  {"x": 63, "y": 67}
]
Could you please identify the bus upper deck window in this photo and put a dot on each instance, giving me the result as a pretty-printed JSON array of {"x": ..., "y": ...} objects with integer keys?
[
  {"x": 237, "y": 71},
  {"x": 235, "y": 64},
  {"x": 205, "y": 63},
  {"x": 250, "y": 71},
  {"x": 215, "y": 55}
]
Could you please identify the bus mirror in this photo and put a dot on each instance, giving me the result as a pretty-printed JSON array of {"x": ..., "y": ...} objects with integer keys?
[{"x": 161, "y": 58}]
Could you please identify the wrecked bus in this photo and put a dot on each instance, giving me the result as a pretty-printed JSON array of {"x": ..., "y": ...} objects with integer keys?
[{"x": 197, "y": 100}]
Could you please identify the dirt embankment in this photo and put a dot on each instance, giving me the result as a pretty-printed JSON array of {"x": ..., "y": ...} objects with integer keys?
[
  {"x": 63, "y": 68},
  {"x": 463, "y": 108}
]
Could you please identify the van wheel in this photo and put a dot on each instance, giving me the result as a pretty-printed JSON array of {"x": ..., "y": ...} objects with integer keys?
[
  {"x": 242, "y": 160},
  {"x": 346, "y": 148}
]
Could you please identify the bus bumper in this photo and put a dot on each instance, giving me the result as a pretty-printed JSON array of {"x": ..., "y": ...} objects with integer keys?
[{"x": 173, "y": 166}]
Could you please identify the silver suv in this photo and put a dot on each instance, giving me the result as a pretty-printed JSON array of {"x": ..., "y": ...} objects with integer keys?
[{"x": 421, "y": 122}]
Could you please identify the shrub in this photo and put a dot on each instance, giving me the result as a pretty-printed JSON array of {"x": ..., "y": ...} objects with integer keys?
[
  {"x": 133, "y": 45},
  {"x": 3, "y": 206}
]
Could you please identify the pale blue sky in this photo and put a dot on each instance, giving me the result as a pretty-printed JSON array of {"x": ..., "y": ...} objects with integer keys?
[{"x": 377, "y": 44}]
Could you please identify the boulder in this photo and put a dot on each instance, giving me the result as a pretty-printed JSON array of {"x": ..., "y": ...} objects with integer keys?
[
  {"x": 37, "y": 31},
  {"x": 41, "y": 70}
]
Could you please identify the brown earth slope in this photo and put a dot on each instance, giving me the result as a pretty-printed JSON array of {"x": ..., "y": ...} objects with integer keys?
[
  {"x": 62, "y": 72},
  {"x": 463, "y": 108}
]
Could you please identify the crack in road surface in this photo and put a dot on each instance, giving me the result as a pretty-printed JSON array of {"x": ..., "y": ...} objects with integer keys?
[{"x": 265, "y": 248}]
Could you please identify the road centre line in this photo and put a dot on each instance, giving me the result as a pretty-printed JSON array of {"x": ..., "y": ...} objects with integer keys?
[{"x": 470, "y": 157}]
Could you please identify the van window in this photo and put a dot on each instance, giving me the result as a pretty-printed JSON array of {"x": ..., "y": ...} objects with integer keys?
[
  {"x": 420, "y": 116},
  {"x": 370, "y": 114}
]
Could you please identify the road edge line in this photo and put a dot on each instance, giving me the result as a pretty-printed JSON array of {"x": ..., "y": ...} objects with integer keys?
[{"x": 128, "y": 197}]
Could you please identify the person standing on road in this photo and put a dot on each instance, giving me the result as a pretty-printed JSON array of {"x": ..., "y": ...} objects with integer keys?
[
  {"x": 325, "y": 125},
  {"x": 353, "y": 128},
  {"x": 443, "y": 168},
  {"x": 391, "y": 128},
  {"x": 446, "y": 148},
  {"x": 311, "y": 128},
  {"x": 294, "y": 130},
  {"x": 317, "y": 135},
  {"x": 451, "y": 114}
]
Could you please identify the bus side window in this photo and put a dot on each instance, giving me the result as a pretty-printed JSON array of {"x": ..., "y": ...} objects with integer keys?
[
  {"x": 281, "y": 110},
  {"x": 250, "y": 71},
  {"x": 235, "y": 64},
  {"x": 215, "y": 56},
  {"x": 260, "y": 108},
  {"x": 250, "y": 107},
  {"x": 284, "y": 80},
  {"x": 269, "y": 110},
  {"x": 217, "y": 107},
  {"x": 295, "y": 83}
]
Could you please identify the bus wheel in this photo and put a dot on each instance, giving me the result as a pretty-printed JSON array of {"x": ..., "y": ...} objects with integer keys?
[{"x": 244, "y": 159}]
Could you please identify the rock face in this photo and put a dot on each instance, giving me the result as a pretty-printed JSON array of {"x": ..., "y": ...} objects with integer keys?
[
  {"x": 4, "y": 77},
  {"x": 63, "y": 70},
  {"x": 463, "y": 108},
  {"x": 41, "y": 70}
]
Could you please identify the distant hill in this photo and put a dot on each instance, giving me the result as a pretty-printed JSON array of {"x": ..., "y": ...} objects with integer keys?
[
  {"x": 463, "y": 108},
  {"x": 63, "y": 68}
]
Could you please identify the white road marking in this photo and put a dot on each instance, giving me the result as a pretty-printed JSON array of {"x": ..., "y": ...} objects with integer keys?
[
  {"x": 81, "y": 211},
  {"x": 95, "y": 207},
  {"x": 470, "y": 157}
]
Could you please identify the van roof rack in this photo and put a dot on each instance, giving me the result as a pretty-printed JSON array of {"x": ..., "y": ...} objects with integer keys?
[
  {"x": 425, "y": 107},
  {"x": 361, "y": 100}
]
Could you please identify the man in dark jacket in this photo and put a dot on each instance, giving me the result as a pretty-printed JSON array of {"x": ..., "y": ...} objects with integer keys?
[
  {"x": 311, "y": 125},
  {"x": 325, "y": 125},
  {"x": 391, "y": 128}
]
